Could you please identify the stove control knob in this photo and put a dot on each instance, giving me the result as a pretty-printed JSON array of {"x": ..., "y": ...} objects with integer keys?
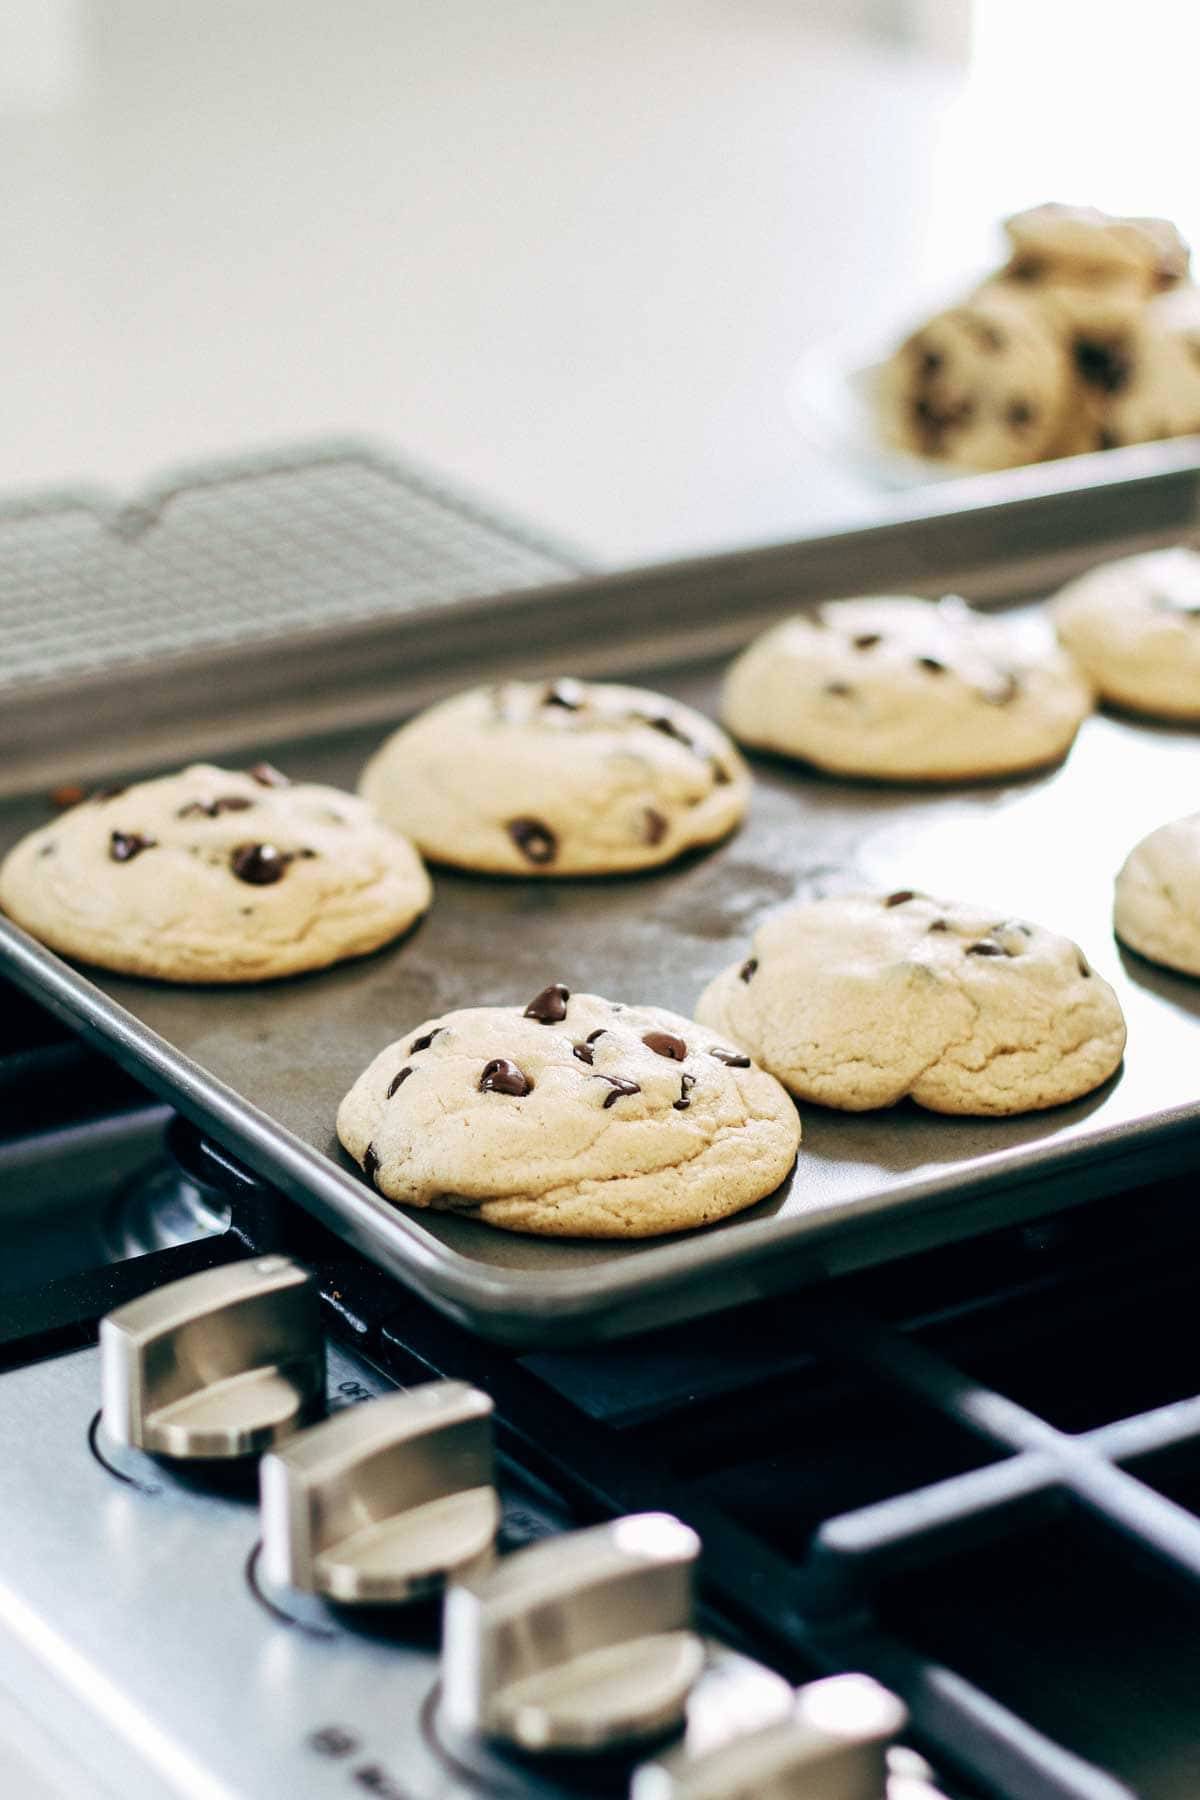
[
  {"x": 578, "y": 1643},
  {"x": 384, "y": 1500},
  {"x": 832, "y": 1746},
  {"x": 220, "y": 1364}
]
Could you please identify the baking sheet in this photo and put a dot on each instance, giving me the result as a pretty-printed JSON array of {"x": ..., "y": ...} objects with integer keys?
[{"x": 265, "y": 1067}]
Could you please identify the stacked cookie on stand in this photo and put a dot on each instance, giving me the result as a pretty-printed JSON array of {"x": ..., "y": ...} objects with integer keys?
[{"x": 1086, "y": 338}]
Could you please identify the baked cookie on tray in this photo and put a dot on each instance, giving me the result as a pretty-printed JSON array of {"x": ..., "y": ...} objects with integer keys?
[
  {"x": 1134, "y": 626},
  {"x": 857, "y": 1002},
  {"x": 905, "y": 690},
  {"x": 558, "y": 778},
  {"x": 215, "y": 875},
  {"x": 570, "y": 1117},
  {"x": 1157, "y": 906}
]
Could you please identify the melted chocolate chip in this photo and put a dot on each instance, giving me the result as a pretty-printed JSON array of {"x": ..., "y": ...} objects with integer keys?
[
  {"x": 598, "y": 1033},
  {"x": 1006, "y": 689},
  {"x": 69, "y": 794},
  {"x": 370, "y": 1163},
  {"x": 534, "y": 840},
  {"x": 987, "y": 947},
  {"x": 48, "y": 849},
  {"x": 1104, "y": 364},
  {"x": 686, "y": 1084},
  {"x": 867, "y": 640},
  {"x": 550, "y": 1006},
  {"x": 397, "y": 1081},
  {"x": 901, "y": 897},
  {"x": 583, "y": 1052},
  {"x": 259, "y": 864},
  {"x": 1084, "y": 968},
  {"x": 123, "y": 846},
  {"x": 931, "y": 665},
  {"x": 931, "y": 362},
  {"x": 503, "y": 1077},
  {"x": 423, "y": 1043},
  {"x": 665, "y": 1043},
  {"x": 1027, "y": 268},
  {"x": 565, "y": 693},
  {"x": 654, "y": 826},
  {"x": 840, "y": 690},
  {"x": 1020, "y": 414},
  {"x": 667, "y": 725},
  {"x": 620, "y": 1088},
  {"x": 209, "y": 809},
  {"x": 733, "y": 1059},
  {"x": 940, "y": 925},
  {"x": 720, "y": 774},
  {"x": 748, "y": 968},
  {"x": 267, "y": 775}
]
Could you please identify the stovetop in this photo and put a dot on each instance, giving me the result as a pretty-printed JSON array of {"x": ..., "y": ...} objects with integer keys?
[{"x": 974, "y": 1475}]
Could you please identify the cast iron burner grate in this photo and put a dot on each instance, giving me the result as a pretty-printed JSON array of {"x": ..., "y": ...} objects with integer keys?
[{"x": 975, "y": 1474}]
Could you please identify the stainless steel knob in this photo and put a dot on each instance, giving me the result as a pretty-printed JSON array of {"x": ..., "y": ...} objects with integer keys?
[
  {"x": 384, "y": 1500},
  {"x": 220, "y": 1364},
  {"x": 578, "y": 1643},
  {"x": 833, "y": 1746}
]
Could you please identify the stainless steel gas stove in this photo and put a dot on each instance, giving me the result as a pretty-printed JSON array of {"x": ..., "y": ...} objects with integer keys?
[{"x": 649, "y": 1546}]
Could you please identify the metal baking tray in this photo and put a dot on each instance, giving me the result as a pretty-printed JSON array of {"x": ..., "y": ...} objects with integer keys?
[{"x": 263, "y": 1068}]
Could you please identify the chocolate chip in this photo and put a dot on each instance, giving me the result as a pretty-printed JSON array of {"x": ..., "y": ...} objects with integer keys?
[
  {"x": 620, "y": 1088},
  {"x": 666, "y": 724},
  {"x": 599, "y": 1033},
  {"x": 123, "y": 846},
  {"x": 503, "y": 1077},
  {"x": 747, "y": 969},
  {"x": 686, "y": 1084},
  {"x": 1083, "y": 965},
  {"x": 931, "y": 362},
  {"x": 550, "y": 1006},
  {"x": 867, "y": 640},
  {"x": 901, "y": 897},
  {"x": 665, "y": 1043},
  {"x": 931, "y": 665},
  {"x": 259, "y": 864},
  {"x": 1020, "y": 414},
  {"x": 939, "y": 925},
  {"x": 267, "y": 775},
  {"x": 370, "y": 1163},
  {"x": 1103, "y": 363},
  {"x": 720, "y": 774},
  {"x": 397, "y": 1081},
  {"x": 583, "y": 1052},
  {"x": 423, "y": 1043},
  {"x": 1107, "y": 439},
  {"x": 654, "y": 826},
  {"x": 48, "y": 849},
  {"x": 211, "y": 808},
  {"x": 533, "y": 839},
  {"x": 987, "y": 947},
  {"x": 1007, "y": 688},
  {"x": 565, "y": 693},
  {"x": 1027, "y": 268},
  {"x": 733, "y": 1059},
  {"x": 69, "y": 794},
  {"x": 840, "y": 690},
  {"x": 986, "y": 335}
]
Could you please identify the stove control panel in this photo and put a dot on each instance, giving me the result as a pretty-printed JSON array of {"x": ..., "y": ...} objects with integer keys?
[{"x": 192, "y": 1637}]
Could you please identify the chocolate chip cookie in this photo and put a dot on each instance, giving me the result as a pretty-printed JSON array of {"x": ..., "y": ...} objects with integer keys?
[
  {"x": 1133, "y": 626},
  {"x": 856, "y": 1002},
  {"x": 215, "y": 875},
  {"x": 558, "y": 778},
  {"x": 1157, "y": 906},
  {"x": 570, "y": 1117},
  {"x": 905, "y": 690}
]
